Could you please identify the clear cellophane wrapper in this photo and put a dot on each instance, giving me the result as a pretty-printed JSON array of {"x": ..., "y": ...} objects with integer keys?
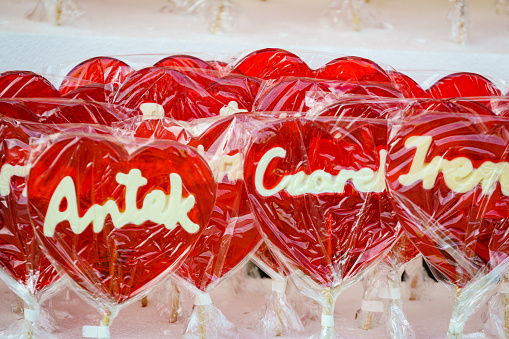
[
  {"x": 382, "y": 299},
  {"x": 221, "y": 15},
  {"x": 353, "y": 15},
  {"x": 173, "y": 302},
  {"x": 279, "y": 318},
  {"x": 446, "y": 178},
  {"x": 330, "y": 267},
  {"x": 120, "y": 84},
  {"x": 393, "y": 267},
  {"x": 55, "y": 12},
  {"x": 24, "y": 267},
  {"x": 118, "y": 253},
  {"x": 231, "y": 235}
]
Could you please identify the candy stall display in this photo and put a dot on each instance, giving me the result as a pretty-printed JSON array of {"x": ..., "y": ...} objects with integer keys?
[{"x": 248, "y": 169}]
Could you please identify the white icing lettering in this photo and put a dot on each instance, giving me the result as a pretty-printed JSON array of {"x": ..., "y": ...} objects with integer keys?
[
  {"x": 231, "y": 108},
  {"x": 157, "y": 206},
  {"x": 151, "y": 110},
  {"x": 7, "y": 172},
  {"x": 319, "y": 181},
  {"x": 459, "y": 173}
]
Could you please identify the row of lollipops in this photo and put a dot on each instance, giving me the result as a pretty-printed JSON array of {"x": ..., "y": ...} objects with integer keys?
[
  {"x": 122, "y": 176},
  {"x": 343, "y": 14}
]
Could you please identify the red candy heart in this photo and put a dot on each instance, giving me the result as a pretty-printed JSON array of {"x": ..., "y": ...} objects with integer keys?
[
  {"x": 183, "y": 62},
  {"x": 298, "y": 95},
  {"x": 463, "y": 85},
  {"x": 21, "y": 257},
  {"x": 149, "y": 207},
  {"x": 187, "y": 97},
  {"x": 453, "y": 105},
  {"x": 231, "y": 234},
  {"x": 272, "y": 63},
  {"x": 98, "y": 70},
  {"x": 24, "y": 84},
  {"x": 311, "y": 201},
  {"x": 353, "y": 69},
  {"x": 446, "y": 212}
]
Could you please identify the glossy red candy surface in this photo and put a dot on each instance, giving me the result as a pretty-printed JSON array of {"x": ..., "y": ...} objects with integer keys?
[
  {"x": 272, "y": 63},
  {"x": 329, "y": 232},
  {"x": 116, "y": 255},
  {"x": 231, "y": 234},
  {"x": 450, "y": 213},
  {"x": 98, "y": 70},
  {"x": 21, "y": 256}
]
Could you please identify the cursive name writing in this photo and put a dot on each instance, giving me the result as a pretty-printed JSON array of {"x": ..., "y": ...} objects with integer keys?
[
  {"x": 319, "y": 181},
  {"x": 459, "y": 173},
  {"x": 157, "y": 207}
]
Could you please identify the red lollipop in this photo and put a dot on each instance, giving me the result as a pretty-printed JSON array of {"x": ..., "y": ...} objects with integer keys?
[
  {"x": 272, "y": 64},
  {"x": 446, "y": 174},
  {"x": 183, "y": 98},
  {"x": 315, "y": 190},
  {"x": 300, "y": 95},
  {"x": 24, "y": 84},
  {"x": 183, "y": 62},
  {"x": 21, "y": 257},
  {"x": 353, "y": 69},
  {"x": 453, "y": 105},
  {"x": 116, "y": 221},
  {"x": 456, "y": 212},
  {"x": 193, "y": 67},
  {"x": 466, "y": 85},
  {"x": 23, "y": 265},
  {"x": 231, "y": 235},
  {"x": 98, "y": 70}
]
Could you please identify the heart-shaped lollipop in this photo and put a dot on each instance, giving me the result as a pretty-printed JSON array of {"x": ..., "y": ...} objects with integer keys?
[
  {"x": 353, "y": 69},
  {"x": 21, "y": 256},
  {"x": 98, "y": 70},
  {"x": 25, "y": 84},
  {"x": 183, "y": 62},
  {"x": 186, "y": 97},
  {"x": 303, "y": 94},
  {"x": 272, "y": 64},
  {"x": 231, "y": 234},
  {"x": 79, "y": 112},
  {"x": 315, "y": 188},
  {"x": 446, "y": 176},
  {"x": 116, "y": 220}
]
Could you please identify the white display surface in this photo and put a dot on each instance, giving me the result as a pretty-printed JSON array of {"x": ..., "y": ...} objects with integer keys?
[
  {"x": 429, "y": 316},
  {"x": 416, "y": 36},
  {"x": 416, "y": 40}
]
